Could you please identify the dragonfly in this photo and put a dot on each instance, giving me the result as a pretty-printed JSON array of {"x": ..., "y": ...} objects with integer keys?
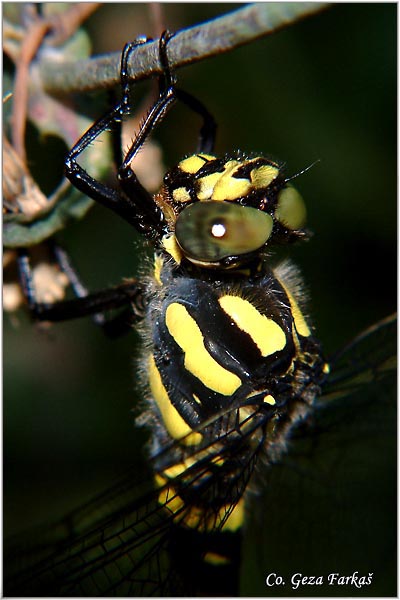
[{"x": 130, "y": 543}]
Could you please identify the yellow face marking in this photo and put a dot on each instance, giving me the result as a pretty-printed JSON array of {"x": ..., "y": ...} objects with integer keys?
[
  {"x": 261, "y": 177},
  {"x": 205, "y": 185},
  {"x": 181, "y": 195},
  {"x": 192, "y": 164},
  {"x": 175, "y": 425},
  {"x": 171, "y": 246},
  {"x": 265, "y": 333},
  {"x": 299, "y": 321},
  {"x": 198, "y": 361},
  {"x": 269, "y": 400},
  {"x": 229, "y": 187},
  {"x": 326, "y": 369},
  {"x": 223, "y": 186}
]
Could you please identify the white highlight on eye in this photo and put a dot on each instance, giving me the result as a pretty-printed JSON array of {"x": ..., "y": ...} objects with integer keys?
[{"x": 218, "y": 230}]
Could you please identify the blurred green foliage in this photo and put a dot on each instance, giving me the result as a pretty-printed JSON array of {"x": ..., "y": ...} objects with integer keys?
[{"x": 323, "y": 90}]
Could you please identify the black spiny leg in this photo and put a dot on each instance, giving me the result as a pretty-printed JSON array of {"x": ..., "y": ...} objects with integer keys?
[
  {"x": 137, "y": 207},
  {"x": 166, "y": 99},
  {"x": 168, "y": 94},
  {"x": 128, "y": 295},
  {"x": 209, "y": 127},
  {"x": 208, "y": 130}
]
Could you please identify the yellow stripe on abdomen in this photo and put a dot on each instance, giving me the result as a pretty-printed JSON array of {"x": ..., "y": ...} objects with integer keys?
[
  {"x": 201, "y": 518},
  {"x": 198, "y": 361},
  {"x": 268, "y": 336}
]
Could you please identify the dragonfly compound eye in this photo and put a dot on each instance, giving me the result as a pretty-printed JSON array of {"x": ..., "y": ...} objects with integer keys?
[
  {"x": 211, "y": 231},
  {"x": 291, "y": 210}
]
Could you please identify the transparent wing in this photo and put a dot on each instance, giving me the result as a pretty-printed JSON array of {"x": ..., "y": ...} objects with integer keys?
[
  {"x": 327, "y": 507},
  {"x": 119, "y": 543},
  {"x": 368, "y": 359}
]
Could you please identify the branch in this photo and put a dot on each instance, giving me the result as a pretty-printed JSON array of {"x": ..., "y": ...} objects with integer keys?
[{"x": 189, "y": 45}]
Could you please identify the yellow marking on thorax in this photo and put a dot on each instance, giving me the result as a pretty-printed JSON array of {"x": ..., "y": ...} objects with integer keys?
[
  {"x": 192, "y": 164},
  {"x": 265, "y": 333},
  {"x": 171, "y": 246},
  {"x": 198, "y": 361},
  {"x": 299, "y": 321},
  {"x": 175, "y": 425},
  {"x": 326, "y": 369}
]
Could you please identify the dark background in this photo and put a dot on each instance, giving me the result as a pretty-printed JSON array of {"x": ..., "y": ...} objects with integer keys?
[{"x": 322, "y": 90}]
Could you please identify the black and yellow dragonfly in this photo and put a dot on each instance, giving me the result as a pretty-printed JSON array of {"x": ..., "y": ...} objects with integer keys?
[{"x": 236, "y": 382}]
